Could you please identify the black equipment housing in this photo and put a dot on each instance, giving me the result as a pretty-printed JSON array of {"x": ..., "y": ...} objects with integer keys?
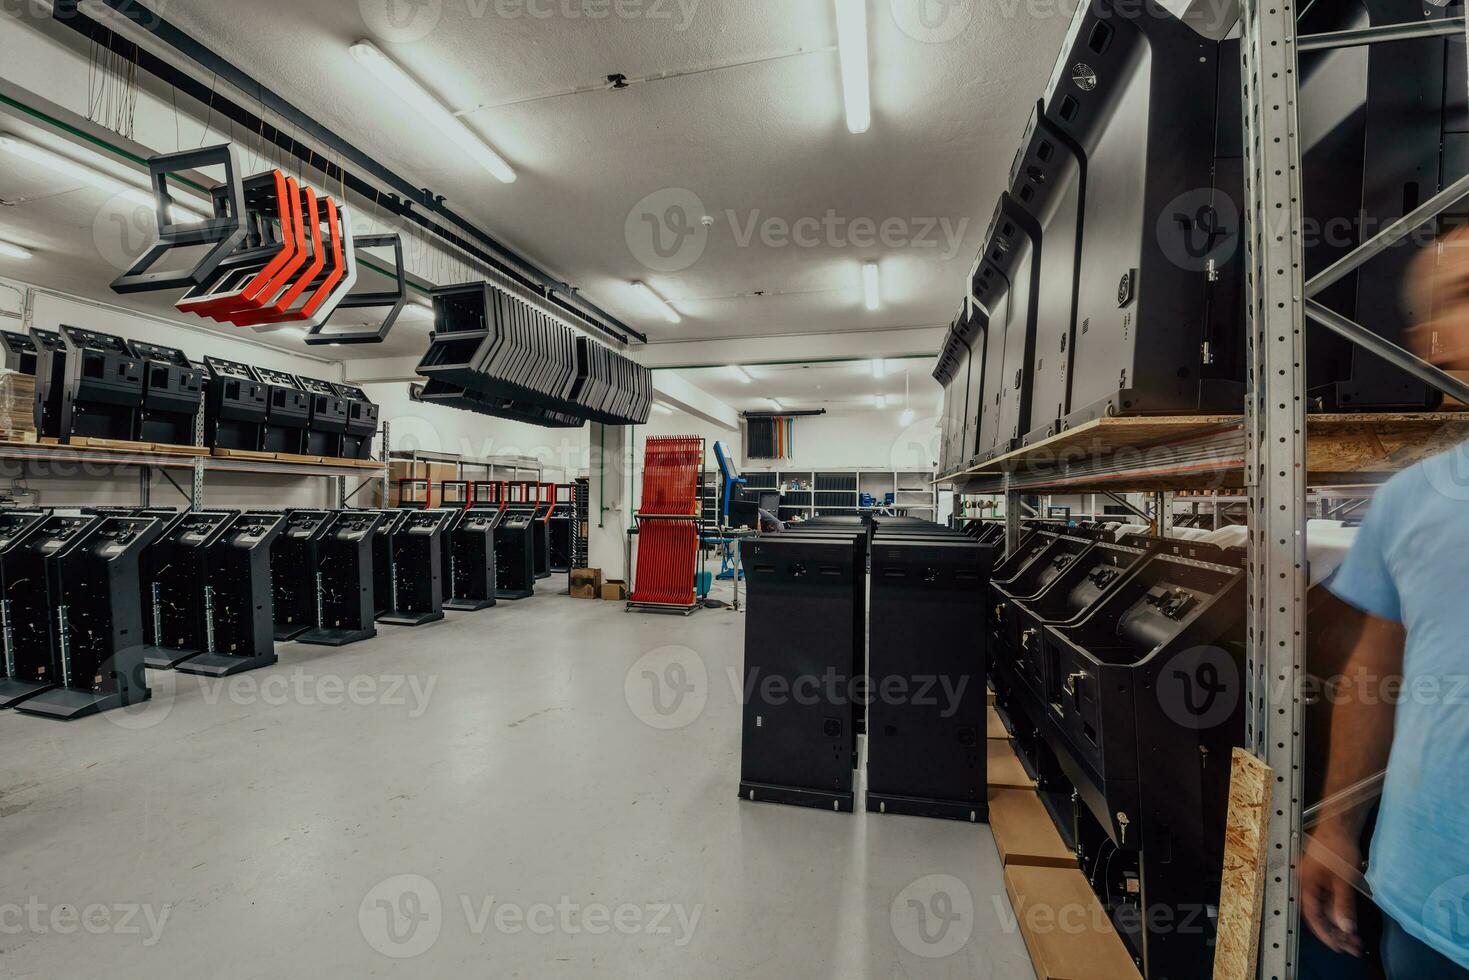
[
  {"x": 382, "y": 561},
  {"x": 515, "y": 554},
  {"x": 416, "y": 561},
  {"x": 19, "y": 351},
  {"x": 92, "y": 579},
  {"x": 175, "y": 578},
  {"x": 469, "y": 559},
  {"x": 50, "y": 382},
  {"x": 926, "y": 755},
  {"x": 294, "y": 557},
  {"x": 104, "y": 387},
  {"x": 328, "y": 424},
  {"x": 288, "y": 413},
  {"x": 806, "y": 619},
  {"x": 344, "y": 578},
  {"x": 362, "y": 421},
  {"x": 1147, "y": 759},
  {"x": 28, "y": 667},
  {"x": 234, "y": 406},
  {"x": 238, "y": 600},
  {"x": 173, "y": 392}
]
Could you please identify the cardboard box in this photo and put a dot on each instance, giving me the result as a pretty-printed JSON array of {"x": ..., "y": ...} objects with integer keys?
[
  {"x": 586, "y": 583},
  {"x": 1065, "y": 928},
  {"x": 1024, "y": 833},
  {"x": 614, "y": 591},
  {"x": 1004, "y": 767}
]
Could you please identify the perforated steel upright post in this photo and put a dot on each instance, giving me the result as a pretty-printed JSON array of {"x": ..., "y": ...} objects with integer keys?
[{"x": 1275, "y": 412}]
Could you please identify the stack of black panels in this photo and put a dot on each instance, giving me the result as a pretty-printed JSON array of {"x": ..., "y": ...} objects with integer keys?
[
  {"x": 804, "y": 653},
  {"x": 494, "y": 354}
]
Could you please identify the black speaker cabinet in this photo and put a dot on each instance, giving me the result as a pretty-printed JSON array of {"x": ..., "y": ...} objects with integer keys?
[
  {"x": 804, "y": 653},
  {"x": 926, "y": 725}
]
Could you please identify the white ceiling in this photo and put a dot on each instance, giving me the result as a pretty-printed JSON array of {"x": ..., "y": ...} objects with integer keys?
[
  {"x": 834, "y": 386},
  {"x": 766, "y": 139}
]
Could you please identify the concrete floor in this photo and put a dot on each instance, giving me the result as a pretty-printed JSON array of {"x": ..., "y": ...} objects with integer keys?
[{"x": 482, "y": 797}]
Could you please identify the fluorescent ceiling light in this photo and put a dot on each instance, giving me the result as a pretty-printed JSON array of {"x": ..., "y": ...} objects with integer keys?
[
  {"x": 778, "y": 406},
  {"x": 63, "y": 166},
  {"x": 662, "y": 409},
  {"x": 13, "y": 251},
  {"x": 881, "y": 401},
  {"x": 669, "y": 313},
  {"x": 871, "y": 286},
  {"x": 879, "y": 369},
  {"x": 424, "y": 105},
  {"x": 906, "y": 419},
  {"x": 741, "y": 373},
  {"x": 852, "y": 42}
]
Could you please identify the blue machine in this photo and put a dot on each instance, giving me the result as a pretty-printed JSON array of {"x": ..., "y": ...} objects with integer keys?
[{"x": 732, "y": 482}]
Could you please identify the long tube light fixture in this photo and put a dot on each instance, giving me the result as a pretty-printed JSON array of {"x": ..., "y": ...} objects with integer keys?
[
  {"x": 13, "y": 251},
  {"x": 852, "y": 45},
  {"x": 100, "y": 179},
  {"x": 741, "y": 374},
  {"x": 871, "y": 285},
  {"x": 407, "y": 88},
  {"x": 669, "y": 313}
]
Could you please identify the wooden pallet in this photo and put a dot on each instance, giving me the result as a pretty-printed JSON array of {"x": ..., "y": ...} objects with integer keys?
[{"x": 267, "y": 457}]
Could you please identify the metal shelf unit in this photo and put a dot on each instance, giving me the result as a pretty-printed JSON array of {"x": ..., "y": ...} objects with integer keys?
[
  {"x": 812, "y": 493},
  {"x": 1270, "y": 459}
]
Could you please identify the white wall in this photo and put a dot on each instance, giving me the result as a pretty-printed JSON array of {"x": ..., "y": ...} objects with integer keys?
[{"x": 860, "y": 439}]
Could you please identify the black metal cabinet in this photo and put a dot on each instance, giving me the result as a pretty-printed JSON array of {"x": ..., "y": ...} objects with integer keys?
[
  {"x": 238, "y": 601},
  {"x": 234, "y": 406},
  {"x": 415, "y": 556},
  {"x": 344, "y": 584},
  {"x": 176, "y": 594},
  {"x": 288, "y": 413},
  {"x": 104, "y": 387},
  {"x": 294, "y": 558},
  {"x": 25, "y": 614},
  {"x": 173, "y": 392},
  {"x": 328, "y": 424},
  {"x": 470, "y": 559},
  {"x": 804, "y": 652}
]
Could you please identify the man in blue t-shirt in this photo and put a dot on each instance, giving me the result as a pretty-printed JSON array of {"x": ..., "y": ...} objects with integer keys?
[{"x": 1405, "y": 704}]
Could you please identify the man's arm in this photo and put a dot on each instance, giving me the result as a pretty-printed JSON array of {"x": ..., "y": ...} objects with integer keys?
[{"x": 1361, "y": 741}]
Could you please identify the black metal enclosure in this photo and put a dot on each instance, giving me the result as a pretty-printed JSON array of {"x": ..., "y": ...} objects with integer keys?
[
  {"x": 288, "y": 413},
  {"x": 238, "y": 600},
  {"x": 415, "y": 569},
  {"x": 173, "y": 392},
  {"x": 804, "y": 653},
  {"x": 92, "y": 581},
  {"x": 50, "y": 382},
  {"x": 104, "y": 387},
  {"x": 19, "y": 352},
  {"x": 235, "y": 406},
  {"x": 926, "y": 752},
  {"x": 362, "y": 422},
  {"x": 328, "y": 426},
  {"x": 294, "y": 558},
  {"x": 176, "y": 594},
  {"x": 29, "y": 660},
  {"x": 469, "y": 559},
  {"x": 515, "y": 555},
  {"x": 344, "y": 581}
]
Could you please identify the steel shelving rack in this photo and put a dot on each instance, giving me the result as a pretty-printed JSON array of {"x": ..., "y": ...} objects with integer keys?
[{"x": 1279, "y": 460}]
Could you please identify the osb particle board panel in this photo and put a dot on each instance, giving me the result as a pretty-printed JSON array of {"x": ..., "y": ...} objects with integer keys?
[
  {"x": 1004, "y": 768},
  {"x": 1024, "y": 832},
  {"x": 1246, "y": 850},
  {"x": 1065, "y": 928},
  {"x": 996, "y": 727}
]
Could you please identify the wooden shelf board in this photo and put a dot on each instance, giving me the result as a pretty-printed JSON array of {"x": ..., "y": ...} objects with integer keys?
[
  {"x": 1024, "y": 832},
  {"x": 1065, "y": 928}
]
